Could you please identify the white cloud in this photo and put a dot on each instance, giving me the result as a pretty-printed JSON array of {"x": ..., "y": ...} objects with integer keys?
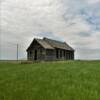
[
  {"x": 29, "y": 16},
  {"x": 21, "y": 20},
  {"x": 93, "y": 1}
]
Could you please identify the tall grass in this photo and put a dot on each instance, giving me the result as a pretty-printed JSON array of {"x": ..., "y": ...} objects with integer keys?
[{"x": 71, "y": 80}]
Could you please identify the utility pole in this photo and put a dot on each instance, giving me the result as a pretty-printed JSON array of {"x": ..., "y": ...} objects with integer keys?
[{"x": 17, "y": 52}]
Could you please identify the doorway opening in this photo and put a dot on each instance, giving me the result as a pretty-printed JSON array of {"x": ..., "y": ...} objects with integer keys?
[{"x": 35, "y": 55}]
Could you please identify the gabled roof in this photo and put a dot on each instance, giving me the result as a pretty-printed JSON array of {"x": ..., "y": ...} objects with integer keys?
[
  {"x": 51, "y": 44},
  {"x": 58, "y": 44},
  {"x": 43, "y": 43}
]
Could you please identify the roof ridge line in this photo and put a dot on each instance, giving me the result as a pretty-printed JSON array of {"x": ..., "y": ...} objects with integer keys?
[{"x": 54, "y": 40}]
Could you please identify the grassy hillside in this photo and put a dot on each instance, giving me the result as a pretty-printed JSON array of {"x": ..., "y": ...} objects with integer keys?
[{"x": 71, "y": 80}]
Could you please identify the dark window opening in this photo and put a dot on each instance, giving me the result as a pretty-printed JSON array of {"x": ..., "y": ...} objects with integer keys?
[
  {"x": 57, "y": 54},
  {"x": 67, "y": 55},
  {"x": 60, "y": 53},
  {"x": 64, "y": 53}
]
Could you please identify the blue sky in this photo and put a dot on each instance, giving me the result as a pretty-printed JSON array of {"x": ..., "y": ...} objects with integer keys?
[{"x": 75, "y": 21}]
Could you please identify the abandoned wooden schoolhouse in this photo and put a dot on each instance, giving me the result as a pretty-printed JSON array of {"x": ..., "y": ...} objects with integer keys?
[{"x": 48, "y": 49}]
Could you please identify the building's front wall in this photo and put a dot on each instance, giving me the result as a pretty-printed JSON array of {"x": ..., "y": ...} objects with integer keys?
[{"x": 41, "y": 52}]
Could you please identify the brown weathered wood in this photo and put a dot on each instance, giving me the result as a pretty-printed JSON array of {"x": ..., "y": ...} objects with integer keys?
[{"x": 42, "y": 50}]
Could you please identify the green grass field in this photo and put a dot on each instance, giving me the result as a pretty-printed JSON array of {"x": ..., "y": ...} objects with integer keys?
[{"x": 70, "y": 80}]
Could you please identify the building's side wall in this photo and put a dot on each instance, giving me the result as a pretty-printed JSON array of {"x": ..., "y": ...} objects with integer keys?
[
  {"x": 64, "y": 54},
  {"x": 59, "y": 54},
  {"x": 50, "y": 55}
]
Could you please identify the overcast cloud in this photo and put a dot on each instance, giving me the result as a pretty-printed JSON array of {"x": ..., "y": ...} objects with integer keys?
[{"x": 75, "y": 21}]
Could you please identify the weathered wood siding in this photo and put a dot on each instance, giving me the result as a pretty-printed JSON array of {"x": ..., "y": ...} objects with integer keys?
[
  {"x": 37, "y": 52},
  {"x": 50, "y": 54},
  {"x": 41, "y": 52},
  {"x": 64, "y": 54}
]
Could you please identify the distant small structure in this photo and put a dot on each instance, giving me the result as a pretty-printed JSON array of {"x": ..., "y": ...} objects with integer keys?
[{"x": 48, "y": 49}]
